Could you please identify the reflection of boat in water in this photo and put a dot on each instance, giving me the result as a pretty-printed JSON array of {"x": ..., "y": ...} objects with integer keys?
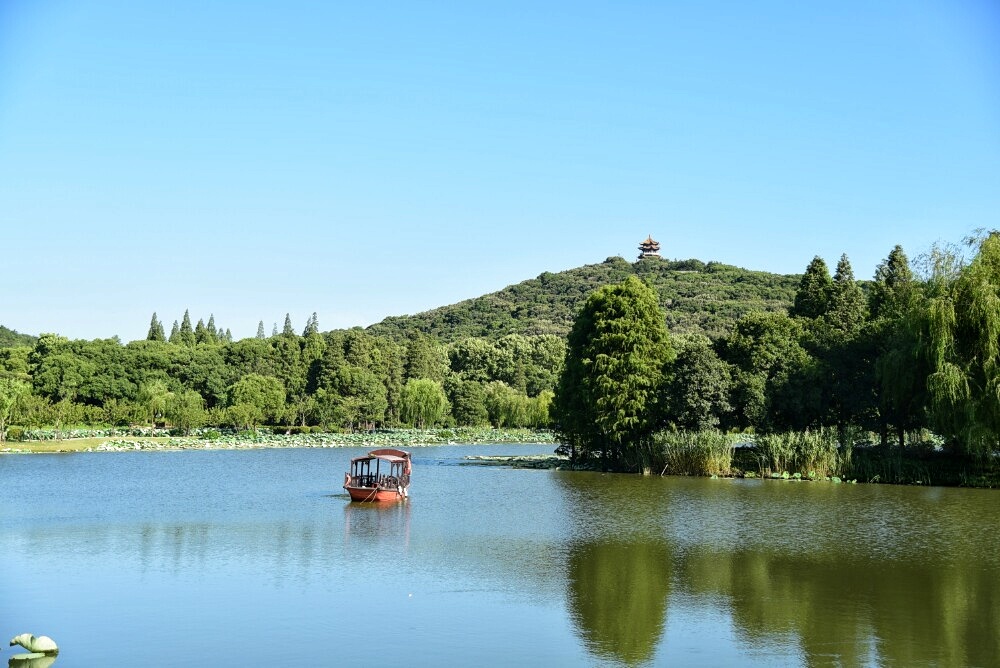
[{"x": 364, "y": 484}]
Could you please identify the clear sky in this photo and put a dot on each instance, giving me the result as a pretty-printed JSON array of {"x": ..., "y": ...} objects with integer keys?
[{"x": 366, "y": 159}]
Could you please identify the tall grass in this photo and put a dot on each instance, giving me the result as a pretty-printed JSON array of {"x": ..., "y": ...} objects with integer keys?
[
  {"x": 702, "y": 453},
  {"x": 810, "y": 453}
]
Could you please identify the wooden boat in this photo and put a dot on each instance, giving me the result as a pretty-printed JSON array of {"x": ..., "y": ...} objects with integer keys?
[{"x": 365, "y": 484}]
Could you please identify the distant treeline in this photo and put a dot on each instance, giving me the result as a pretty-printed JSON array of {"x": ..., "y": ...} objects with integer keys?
[{"x": 904, "y": 355}]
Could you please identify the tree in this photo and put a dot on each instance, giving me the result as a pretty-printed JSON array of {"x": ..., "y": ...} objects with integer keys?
[
  {"x": 186, "y": 410},
  {"x": 812, "y": 300},
  {"x": 960, "y": 331},
  {"x": 606, "y": 399},
  {"x": 900, "y": 372},
  {"x": 423, "y": 403},
  {"x": 155, "y": 330},
  {"x": 312, "y": 326},
  {"x": 187, "y": 331},
  {"x": 697, "y": 392},
  {"x": 258, "y": 398},
  {"x": 468, "y": 401},
  {"x": 175, "y": 333},
  {"x": 425, "y": 358},
  {"x": 288, "y": 330},
  {"x": 153, "y": 396},
  {"x": 200, "y": 332},
  {"x": 11, "y": 392},
  {"x": 212, "y": 330},
  {"x": 847, "y": 308},
  {"x": 260, "y": 330}
]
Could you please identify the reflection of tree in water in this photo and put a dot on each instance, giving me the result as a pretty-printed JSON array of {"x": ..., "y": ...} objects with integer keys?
[
  {"x": 851, "y": 612},
  {"x": 618, "y": 597}
]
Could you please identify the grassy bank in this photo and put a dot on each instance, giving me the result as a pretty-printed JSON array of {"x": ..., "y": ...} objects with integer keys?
[{"x": 95, "y": 441}]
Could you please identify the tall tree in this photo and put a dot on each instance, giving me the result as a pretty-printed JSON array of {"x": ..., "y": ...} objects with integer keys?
[
  {"x": 962, "y": 331},
  {"x": 847, "y": 307},
  {"x": 312, "y": 325},
  {"x": 900, "y": 372},
  {"x": 260, "y": 330},
  {"x": 175, "y": 333},
  {"x": 155, "y": 330},
  {"x": 812, "y": 300},
  {"x": 187, "y": 331},
  {"x": 288, "y": 330},
  {"x": 606, "y": 399},
  {"x": 213, "y": 332},
  {"x": 200, "y": 332}
]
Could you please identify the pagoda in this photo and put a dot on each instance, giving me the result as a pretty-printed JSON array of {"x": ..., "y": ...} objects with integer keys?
[{"x": 649, "y": 248}]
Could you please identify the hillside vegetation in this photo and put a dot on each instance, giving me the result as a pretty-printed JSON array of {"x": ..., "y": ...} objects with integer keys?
[{"x": 696, "y": 297}]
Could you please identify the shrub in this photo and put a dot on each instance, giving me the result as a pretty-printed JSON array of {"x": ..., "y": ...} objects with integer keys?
[{"x": 15, "y": 433}]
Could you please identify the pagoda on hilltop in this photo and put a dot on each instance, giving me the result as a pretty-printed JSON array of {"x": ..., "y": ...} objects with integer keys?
[{"x": 649, "y": 248}]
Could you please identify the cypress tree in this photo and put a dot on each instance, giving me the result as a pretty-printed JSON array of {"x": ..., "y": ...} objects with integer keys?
[
  {"x": 287, "y": 329},
  {"x": 213, "y": 333},
  {"x": 200, "y": 332},
  {"x": 260, "y": 330},
  {"x": 175, "y": 333},
  {"x": 187, "y": 332},
  {"x": 607, "y": 399},
  {"x": 812, "y": 300},
  {"x": 155, "y": 330},
  {"x": 847, "y": 308}
]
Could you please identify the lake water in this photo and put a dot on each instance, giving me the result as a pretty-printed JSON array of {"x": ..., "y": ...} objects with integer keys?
[{"x": 258, "y": 558}]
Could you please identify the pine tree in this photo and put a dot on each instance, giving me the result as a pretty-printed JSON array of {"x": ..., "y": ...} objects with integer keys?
[
  {"x": 155, "y": 330},
  {"x": 175, "y": 333},
  {"x": 229, "y": 336},
  {"x": 274, "y": 329},
  {"x": 287, "y": 329},
  {"x": 260, "y": 330}
]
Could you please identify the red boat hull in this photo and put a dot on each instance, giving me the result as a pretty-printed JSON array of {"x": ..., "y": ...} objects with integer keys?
[{"x": 373, "y": 494}]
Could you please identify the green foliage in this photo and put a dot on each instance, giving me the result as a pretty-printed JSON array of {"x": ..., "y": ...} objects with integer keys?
[
  {"x": 607, "y": 398},
  {"x": 11, "y": 393},
  {"x": 698, "y": 386},
  {"x": 10, "y": 338},
  {"x": 696, "y": 297},
  {"x": 812, "y": 300},
  {"x": 805, "y": 452},
  {"x": 423, "y": 403},
  {"x": 704, "y": 452}
]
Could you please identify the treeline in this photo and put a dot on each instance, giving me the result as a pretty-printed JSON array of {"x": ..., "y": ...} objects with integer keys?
[
  {"x": 908, "y": 356},
  {"x": 338, "y": 380}
]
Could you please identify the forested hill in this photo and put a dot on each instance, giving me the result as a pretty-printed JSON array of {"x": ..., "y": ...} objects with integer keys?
[
  {"x": 696, "y": 297},
  {"x": 12, "y": 339}
]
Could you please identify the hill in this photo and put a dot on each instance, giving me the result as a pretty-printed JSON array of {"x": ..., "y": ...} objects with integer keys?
[
  {"x": 696, "y": 296},
  {"x": 12, "y": 339}
]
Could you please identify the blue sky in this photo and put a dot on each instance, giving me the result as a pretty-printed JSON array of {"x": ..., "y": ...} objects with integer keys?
[{"x": 361, "y": 160}]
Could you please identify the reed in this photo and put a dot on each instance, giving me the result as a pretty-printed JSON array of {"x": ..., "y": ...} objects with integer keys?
[
  {"x": 812, "y": 454},
  {"x": 703, "y": 453}
]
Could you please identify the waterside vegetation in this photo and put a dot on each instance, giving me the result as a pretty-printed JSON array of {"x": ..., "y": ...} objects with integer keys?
[{"x": 812, "y": 377}]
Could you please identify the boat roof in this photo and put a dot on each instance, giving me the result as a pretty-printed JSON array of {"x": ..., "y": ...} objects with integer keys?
[{"x": 390, "y": 455}]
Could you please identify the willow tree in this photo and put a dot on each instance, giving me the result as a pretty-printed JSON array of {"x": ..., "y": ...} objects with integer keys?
[
  {"x": 607, "y": 398},
  {"x": 961, "y": 335}
]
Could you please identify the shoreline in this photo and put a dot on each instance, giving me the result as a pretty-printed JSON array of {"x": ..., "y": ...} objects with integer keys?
[{"x": 400, "y": 438}]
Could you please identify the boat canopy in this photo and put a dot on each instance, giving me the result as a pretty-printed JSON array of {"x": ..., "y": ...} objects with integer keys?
[{"x": 390, "y": 455}]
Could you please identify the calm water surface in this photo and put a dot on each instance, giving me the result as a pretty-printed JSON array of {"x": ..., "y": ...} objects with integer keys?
[{"x": 258, "y": 558}]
